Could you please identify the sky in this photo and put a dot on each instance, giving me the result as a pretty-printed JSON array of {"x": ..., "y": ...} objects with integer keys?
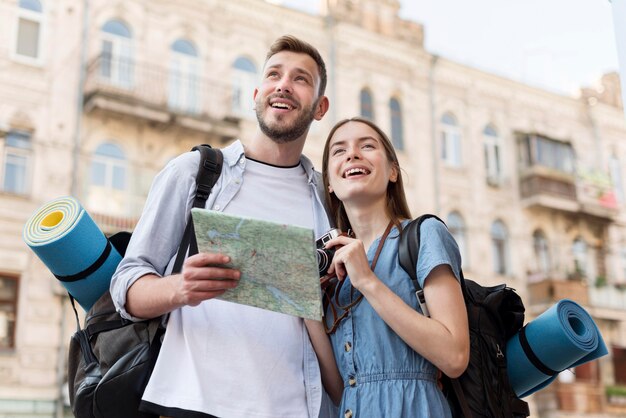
[{"x": 558, "y": 45}]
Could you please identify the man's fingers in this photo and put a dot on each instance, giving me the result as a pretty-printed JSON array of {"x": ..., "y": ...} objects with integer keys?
[
  {"x": 210, "y": 273},
  {"x": 206, "y": 259}
]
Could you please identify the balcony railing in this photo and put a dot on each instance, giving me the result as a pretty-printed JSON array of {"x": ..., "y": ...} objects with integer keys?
[
  {"x": 156, "y": 93},
  {"x": 609, "y": 296},
  {"x": 547, "y": 187}
]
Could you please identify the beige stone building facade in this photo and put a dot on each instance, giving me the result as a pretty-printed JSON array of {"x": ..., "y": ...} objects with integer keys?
[{"x": 96, "y": 96}]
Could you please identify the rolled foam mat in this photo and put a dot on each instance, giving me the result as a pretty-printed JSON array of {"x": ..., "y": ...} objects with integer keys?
[
  {"x": 563, "y": 336},
  {"x": 63, "y": 235}
]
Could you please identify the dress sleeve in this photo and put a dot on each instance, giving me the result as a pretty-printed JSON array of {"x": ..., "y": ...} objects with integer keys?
[
  {"x": 437, "y": 247},
  {"x": 157, "y": 235}
]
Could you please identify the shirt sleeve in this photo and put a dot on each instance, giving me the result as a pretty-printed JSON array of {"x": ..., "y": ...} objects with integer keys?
[
  {"x": 437, "y": 247},
  {"x": 156, "y": 237}
]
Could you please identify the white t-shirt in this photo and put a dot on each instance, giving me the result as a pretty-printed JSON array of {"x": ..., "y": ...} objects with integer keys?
[{"x": 238, "y": 361}]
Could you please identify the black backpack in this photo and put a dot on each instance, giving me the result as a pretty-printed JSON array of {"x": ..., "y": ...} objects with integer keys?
[
  {"x": 111, "y": 358},
  {"x": 495, "y": 314}
]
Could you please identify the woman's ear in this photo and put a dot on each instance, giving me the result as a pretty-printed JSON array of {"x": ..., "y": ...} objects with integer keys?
[
  {"x": 330, "y": 189},
  {"x": 393, "y": 176}
]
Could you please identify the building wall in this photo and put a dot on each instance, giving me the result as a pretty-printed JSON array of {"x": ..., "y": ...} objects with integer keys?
[{"x": 366, "y": 46}]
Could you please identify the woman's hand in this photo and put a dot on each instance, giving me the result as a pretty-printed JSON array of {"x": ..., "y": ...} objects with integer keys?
[{"x": 350, "y": 260}]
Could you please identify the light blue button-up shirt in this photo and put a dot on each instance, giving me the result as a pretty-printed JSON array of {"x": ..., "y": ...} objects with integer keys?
[
  {"x": 383, "y": 376},
  {"x": 155, "y": 240}
]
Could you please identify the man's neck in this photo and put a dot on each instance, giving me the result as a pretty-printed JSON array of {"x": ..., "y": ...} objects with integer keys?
[{"x": 263, "y": 149}]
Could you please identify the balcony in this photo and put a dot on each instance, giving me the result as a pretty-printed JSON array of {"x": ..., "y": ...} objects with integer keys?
[
  {"x": 564, "y": 399},
  {"x": 165, "y": 98},
  {"x": 608, "y": 297},
  {"x": 549, "y": 291},
  {"x": 549, "y": 188}
]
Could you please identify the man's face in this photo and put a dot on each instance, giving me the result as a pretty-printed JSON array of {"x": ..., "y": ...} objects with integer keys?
[{"x": 287, "y": 101}]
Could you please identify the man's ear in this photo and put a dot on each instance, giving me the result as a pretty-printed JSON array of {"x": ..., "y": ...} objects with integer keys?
[{"x": 322, "y": 108}]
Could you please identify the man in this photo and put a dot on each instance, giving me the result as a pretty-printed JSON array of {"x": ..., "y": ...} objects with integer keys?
[{"x": 219, "y": 358}]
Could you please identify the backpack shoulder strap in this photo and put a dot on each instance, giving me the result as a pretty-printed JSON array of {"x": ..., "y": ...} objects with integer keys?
[
  {"x": 209, "y": 171},
  {"x": 408, "y": 249},
  {"x": 408, "y": 252}
]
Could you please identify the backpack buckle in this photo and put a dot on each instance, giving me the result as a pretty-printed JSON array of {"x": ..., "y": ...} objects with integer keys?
[{"x": 422, "y": 302}]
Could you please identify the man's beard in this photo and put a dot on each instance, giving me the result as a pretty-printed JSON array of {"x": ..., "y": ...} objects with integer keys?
[{"x": 282, "y": 133}]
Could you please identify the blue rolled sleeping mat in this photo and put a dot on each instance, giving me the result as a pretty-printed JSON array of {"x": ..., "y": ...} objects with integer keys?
[
  {"x": 563, "y": 336},
  {"x": 63, "y": 235}
]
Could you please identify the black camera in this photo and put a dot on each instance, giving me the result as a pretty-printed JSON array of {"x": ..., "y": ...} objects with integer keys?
[{"x": 325, "y": 255}]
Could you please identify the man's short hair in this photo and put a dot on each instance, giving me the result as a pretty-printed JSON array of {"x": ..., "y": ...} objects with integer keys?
[{"x": 292, "y": 44}]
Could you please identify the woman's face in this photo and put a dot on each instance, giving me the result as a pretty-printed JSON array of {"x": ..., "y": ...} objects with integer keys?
[{"x": 358, "y": 167}]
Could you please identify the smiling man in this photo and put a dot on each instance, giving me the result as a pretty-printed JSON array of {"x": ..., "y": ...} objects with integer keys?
[{"x": 219, "y": 358}]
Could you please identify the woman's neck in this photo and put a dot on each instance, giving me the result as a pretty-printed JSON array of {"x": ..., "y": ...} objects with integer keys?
[{"x": 368, "y": 223}]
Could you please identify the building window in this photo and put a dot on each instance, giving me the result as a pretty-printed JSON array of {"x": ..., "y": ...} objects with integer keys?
[
  {"x": 8, "y": 310},
  {"x": 450, "y": 140},
  {"x": 499, "y": 245},
  {"x": 117, "y": 64},
  {"x": 456, "y": 226},
  {"x": 17, "y": 157},
  {"x": 29, "y": 28},
  {"x": 244, "y": 83},
  {"x": 367, "y": 104},
  {"x": 397, "y": 134},
  {"x": 184, "y": 83},
  {"x": 108, "y": 168},
  {"x": 542, "y": 253},
  {"x": 493, "y": 155},
  {"x": 546, "y": 152},
  {"x": 619, "y": 365},
  {"x": 579, "y": 253}
]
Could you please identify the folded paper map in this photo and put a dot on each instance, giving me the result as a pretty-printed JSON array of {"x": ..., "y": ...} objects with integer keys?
[{"x": 277, "y": 262}]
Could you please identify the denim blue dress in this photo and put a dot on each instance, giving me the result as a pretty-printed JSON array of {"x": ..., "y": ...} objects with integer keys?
[{"x": 384, "y": 377}]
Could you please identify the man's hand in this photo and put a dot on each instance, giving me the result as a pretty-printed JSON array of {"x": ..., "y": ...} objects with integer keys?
[{"x": 204, "y": 277}]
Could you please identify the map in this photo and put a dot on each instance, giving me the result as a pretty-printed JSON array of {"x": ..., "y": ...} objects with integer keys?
[{"x": 277, "y": 262}]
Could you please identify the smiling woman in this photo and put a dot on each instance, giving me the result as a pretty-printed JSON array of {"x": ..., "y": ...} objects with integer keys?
[{"x": 385, "y": 348}]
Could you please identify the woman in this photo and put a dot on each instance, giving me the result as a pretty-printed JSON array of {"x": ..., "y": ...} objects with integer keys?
[{"x": 387, "y": 352}]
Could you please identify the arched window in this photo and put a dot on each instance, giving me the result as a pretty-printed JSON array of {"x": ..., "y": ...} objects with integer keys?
[
  {"x": 397, "y": 134},
  {"x": 29, "y": 28},
  {"x": 456, "y": 226},
  {"x": 499, "y": 246},
  {"x": 117, "y": 64},
  {"x": 450, "y": 140},
  {"x": 9, "y": 295},
  {"x": 579, "y": 253},
  {"x": 542, "y": 253},
  {"x": 493, "y": 155},
  {"x": 244, "y": 83},
  {"x": 17, "y": 157},
  {"x": 108, "y": 168},
  {"x": 184, "y": 78},
  {"x": 367, "y": 104}
]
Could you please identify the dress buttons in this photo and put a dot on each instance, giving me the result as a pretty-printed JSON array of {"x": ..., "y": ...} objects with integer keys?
[
  {"x": 347, "y": 346},
  {"x": 352, "y": 381},
  {"x": 216, "y": 207},
  {"x": 347, "y": 414}
]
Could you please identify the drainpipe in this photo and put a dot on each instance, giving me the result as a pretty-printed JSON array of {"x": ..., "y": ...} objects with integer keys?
[
  {"x": 79, "y": 99},
  {"x": 332, "y": 52},
  {"x": 433, "y": 132},
  {"x": 62, "y": 352}
]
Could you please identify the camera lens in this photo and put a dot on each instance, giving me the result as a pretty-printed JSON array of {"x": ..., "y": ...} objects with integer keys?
[{"x": 324, "y": 258}]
